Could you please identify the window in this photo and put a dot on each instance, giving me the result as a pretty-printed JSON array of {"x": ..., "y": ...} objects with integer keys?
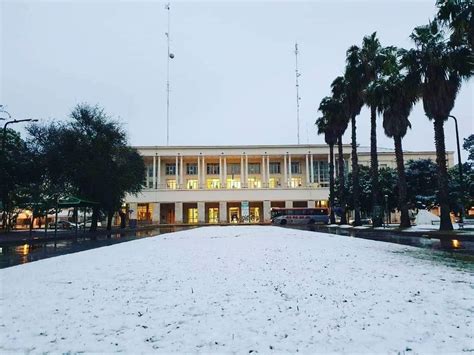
[
  {"x": 275, "y": 168},
  {"x": 171, "y": 184},
  {"x": 233, "y": 169},
  {"x": 213, "y": 215},
  {"x": 192, "y": 215},
  {"x": 213, "y": 183},
  {"x": 149, "y": 176},
  {"x": 233, "y": 183},
  {"x": 192, "y": 184},
  {"x": 191, "y": 169},
  {"x": 170, "y": 169},
  {"x": 295, "y": 182},
  {"x": 254, "y": 183},
  {"x": 254, "y": 168},
  {"x": 212, "y": 169},
  {"x": 323, "y": 171},
  {"x": 295, "y": 167},
  {"x": 274, "y": 183}
]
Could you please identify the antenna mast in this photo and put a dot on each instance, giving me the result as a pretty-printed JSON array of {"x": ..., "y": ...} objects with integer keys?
[
  {"x": 298, "y": 98},
  {"x": 170, "y": 55}
]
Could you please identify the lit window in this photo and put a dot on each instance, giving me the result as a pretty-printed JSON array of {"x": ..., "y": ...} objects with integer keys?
[
  {"x": 191, "y": 169},
  {"x": 233, "y": 183},
  {"x": 254, "y": 183},
  {"x": 192, "y": 184},
  {"x": 274, "y": 183},
  {"x": 213, "y": 215},
  {"x": 213, "y": 183},
  {"x": 171, "y": 184},
  {"x": 192, "y": 215},
  {"x": 295, "y": 182},
  {"x": 170, "y": 169},
  {"x": 212, "y": 169}
]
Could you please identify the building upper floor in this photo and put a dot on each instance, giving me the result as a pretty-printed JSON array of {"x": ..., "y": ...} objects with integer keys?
[{"x": 304, "y": 166}]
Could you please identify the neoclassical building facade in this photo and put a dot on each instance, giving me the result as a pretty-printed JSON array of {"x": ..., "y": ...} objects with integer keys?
[{"x": 233, "y": 184}]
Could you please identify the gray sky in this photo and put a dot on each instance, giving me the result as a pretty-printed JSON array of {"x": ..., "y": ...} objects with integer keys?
[{"x": 232, "y": 78}]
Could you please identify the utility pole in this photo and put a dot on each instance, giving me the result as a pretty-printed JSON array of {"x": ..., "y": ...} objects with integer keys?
[{"x": 298, "y": 98}]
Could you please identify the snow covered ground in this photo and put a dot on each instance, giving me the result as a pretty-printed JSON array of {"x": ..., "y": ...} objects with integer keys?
[{"x": 239, "y": 289}]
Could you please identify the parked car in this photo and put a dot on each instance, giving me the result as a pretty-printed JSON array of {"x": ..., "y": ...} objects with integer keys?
[
  {"x": 363, "y": 221},
  {"x": 62, "y": 225},
  {"x": 89, "y": 223}
]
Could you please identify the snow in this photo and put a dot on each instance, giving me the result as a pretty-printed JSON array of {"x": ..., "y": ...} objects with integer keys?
[{"x": 239, "y": 289}]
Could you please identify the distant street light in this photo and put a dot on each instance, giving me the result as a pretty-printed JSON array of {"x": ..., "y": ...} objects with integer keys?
[{"x": 461, "y": 192}]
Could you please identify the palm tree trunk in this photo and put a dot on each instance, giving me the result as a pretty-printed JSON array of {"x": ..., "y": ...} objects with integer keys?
[
  {"x": 95, "y": 217},
  {"x": 342, "y": 193},
  {"x": 331, "y": 183},
  {"x": 355, "y": 173},
  {"x": 110, "y": 215},
  {"x": 402, "y": 184},
  {"x": 374, "y": 171},
  {"x": 443, "y": 195}
]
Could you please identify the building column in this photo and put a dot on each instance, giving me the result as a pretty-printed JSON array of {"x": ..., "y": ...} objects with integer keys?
[
  {"x": 307, "y": 170},
  {"x": 311, "y": 203},
  {"x": 312, "y": 168},
  {"x": 246, "y": 170},
  {"x": 155, "y": 217},
  {"x": 154, "y": 172},
  {"x": 285, "y": 172},
  {"x": 223, "y": 212},
  {"x": 267, "y": 206},
  {"x": 181, "y": 173},
  {"x": 268, "y": 170},
  {"x": 288, "y": 204},
  {"x": 178, "y": 212},
  {"x": 158, "y": 173},
  {"x": 221, "y": 172},
  {"x": 176, "y": 171},
  {"x": 225, "y": 172},
  {"x": 263, "y": 171},
  {"x": 199, "y": 171},
  {"x": 201, "y": 212},
  {"x": 289, "y": 169},
  {"x": 242, "y": 169},
  {"x": 204, "y": 172}
]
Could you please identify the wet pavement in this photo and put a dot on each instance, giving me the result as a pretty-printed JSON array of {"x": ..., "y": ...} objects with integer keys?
[{"x": 28, "y": 252}]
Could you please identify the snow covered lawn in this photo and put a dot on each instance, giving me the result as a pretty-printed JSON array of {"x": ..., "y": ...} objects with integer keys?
[{"x": 239, "y": 289}]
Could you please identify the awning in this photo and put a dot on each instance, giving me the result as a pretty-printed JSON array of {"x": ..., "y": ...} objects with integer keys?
[{"x": 73, "y": 201}]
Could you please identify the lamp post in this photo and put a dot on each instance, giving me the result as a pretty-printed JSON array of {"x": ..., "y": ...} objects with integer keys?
[
  {"x": 386, "y": 210},
  {"x": 460, "y": 170}
]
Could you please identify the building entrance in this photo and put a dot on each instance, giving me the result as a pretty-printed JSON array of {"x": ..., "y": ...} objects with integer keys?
[{"x": 234, "y": 214}]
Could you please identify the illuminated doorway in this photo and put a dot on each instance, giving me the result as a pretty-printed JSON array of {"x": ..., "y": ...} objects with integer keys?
[{"x": 234, "y": 214}]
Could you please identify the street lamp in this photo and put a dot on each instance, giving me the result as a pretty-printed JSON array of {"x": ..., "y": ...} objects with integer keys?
[
  {"x": 12, "y": 122},
  {"x": 460, "y": 170}
]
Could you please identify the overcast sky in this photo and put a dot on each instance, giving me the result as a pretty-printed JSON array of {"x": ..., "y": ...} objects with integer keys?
[{"x": 233, "y": 75}]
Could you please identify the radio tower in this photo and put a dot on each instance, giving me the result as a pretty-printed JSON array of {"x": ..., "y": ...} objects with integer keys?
[
  {"x": 170, "y": 56},
  {"x": 298, "y": 98}
]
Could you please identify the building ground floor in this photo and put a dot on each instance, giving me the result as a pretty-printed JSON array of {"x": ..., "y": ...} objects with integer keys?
[{"x": 211, "y": 212}]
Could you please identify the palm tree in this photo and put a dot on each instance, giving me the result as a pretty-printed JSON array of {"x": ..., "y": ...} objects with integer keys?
[
  {"x": 372, "y": 61},
  {"x": 399, "y": 91},
  {"x": 340, "y": 123},
  {"x": 353, "y": 88},
  {"x": 458, "y": 15},
  {"x": 326, "y": 127},
  {"x": 440, "y": 67}
]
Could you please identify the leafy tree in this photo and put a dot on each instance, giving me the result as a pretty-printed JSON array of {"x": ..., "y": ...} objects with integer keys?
[
  {"x": 421, "y": 176},
  {"x": 89, "y": 157},
  {"x": 440, "y": 67},
  {"x": 468, "y": 145},
  {"x": 14, "y": 175}
]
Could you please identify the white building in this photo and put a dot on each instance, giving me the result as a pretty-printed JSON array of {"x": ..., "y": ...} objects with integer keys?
[{"x": 225, "y": 184}]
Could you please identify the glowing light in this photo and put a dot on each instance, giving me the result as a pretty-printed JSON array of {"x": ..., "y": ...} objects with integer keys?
[
  {"x": 26, "y": 247},
  {"x": 456, "y": 243}
]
